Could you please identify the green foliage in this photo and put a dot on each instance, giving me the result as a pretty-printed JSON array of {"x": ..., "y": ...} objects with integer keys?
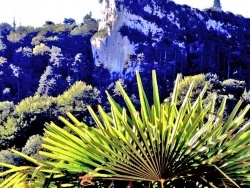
[
  {"x": 233, "y": 87},
  {"x": 16, "y": 36},
  {"x": 41, "y": 49},
  {"x": 69, "y": 21},
  {"x": 39, "y": 38},
  {"x": 33, "y": 105},
  {"x": 79, "y": 92},
  {"x": 6, "y": 108},
  {"x": 85, "y": 29},
  {"x": 26, "y": 29},
  {"x": 246, "y": 96},
  {"x": 32, "y": 146},
  {"x": 5, "y": 27},
  {"x": 80, "y": 30},
  {"x": 77, "y": 98},
  {"x": 2, "y": 60},
  {"x": 2, "y": 47},
  {"x": 88, "y": 27},
  {"x": 101, "y": 33},
  {"x": 48, "y": 32},
  {"x": 7, "y": 130},
  {"x": 56, "y": 28},
  {"x": 28, "y": 117},
  {"x": 164, "y": 144},
  {"x": 9, "y": 157},
  {"x": 25, "y": 176},
  {"x": 198, "y": 81}
]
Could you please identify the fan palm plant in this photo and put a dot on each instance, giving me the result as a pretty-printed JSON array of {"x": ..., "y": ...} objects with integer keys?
[{"x": 162, "y": 145}]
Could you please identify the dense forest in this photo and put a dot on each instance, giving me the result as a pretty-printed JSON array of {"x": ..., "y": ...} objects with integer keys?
[{"x": 50, "y": 70}]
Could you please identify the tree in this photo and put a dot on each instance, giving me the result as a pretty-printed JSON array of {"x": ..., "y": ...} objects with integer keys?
[
  {"x": 47, "y": 82},
  {"x": 87, "y": 17},
  {"x": 2, "y": 45},
  {"x": 233, "y": 87},
  {"x": 32, "y": 146},
  {"x": 49, "y": 23},
  {"x": 77, "y": 98},
  {"x": 90, "y": 23},
  {"x": 217, "y": 5},
  {"x": 81, "y": 68},
  {"x": 69, "y": 21},
  {"x": 163, "y": 145},
  {"x": 15, "y": 37},
  {"x": 9, "y": 157},
  {"x": 41, "y": 49},
  {"x": 5, "y": 28},
  {"x": 55, "y": 74},
  {"x": 17, "y": 74},
  {"x": 6, "y": 108}
]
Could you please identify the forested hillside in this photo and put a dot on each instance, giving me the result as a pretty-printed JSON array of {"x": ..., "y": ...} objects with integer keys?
[
  {"x": 63, "y": 67},
  {"x": 35, "y": 61}
]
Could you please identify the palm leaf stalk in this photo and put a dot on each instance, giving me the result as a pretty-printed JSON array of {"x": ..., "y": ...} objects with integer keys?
[{"x": 167, "y": 143}]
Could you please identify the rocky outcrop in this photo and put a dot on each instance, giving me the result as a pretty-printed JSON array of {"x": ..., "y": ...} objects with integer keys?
[{"x": 159, "y": 34}]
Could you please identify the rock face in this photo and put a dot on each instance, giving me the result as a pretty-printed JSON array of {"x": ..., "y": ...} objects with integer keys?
[
  {"x": 159, "y": 34},
  {"x": 108, "y": 45}
]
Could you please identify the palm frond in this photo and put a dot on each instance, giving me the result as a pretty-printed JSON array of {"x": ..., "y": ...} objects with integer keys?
[{"x": 166, "y": 142}]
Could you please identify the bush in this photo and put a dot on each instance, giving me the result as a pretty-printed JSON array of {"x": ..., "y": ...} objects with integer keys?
[
  {"x": 9, "y": 157},
  {"x": 32, "y": 146},
  {"x": 246, "y": 96},
  {"x": 27, "y": 118},
  {"x": 198, "y": 81},
  {"x": 6, "y": 108},
  {"x": 41, "y": 49},
  {"x": 233, "y": 87},
  {"x": 214, "y": 80},
  {"x": 77, "y": 98},
  {"x": 15, "y": 36}
]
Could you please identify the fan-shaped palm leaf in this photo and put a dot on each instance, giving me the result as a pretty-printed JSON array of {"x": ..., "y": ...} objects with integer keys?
[
  {"x": 174, "y": 145},
  {"x": 163, "y": 143}
]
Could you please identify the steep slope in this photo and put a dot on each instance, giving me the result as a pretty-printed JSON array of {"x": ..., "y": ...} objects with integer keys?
[
  {"x": 45, "y": 60},
  {"x": 162, "y": 35}
]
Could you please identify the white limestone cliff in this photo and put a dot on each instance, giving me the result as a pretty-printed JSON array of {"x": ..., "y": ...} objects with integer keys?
[{"x": 109, "y": 47}]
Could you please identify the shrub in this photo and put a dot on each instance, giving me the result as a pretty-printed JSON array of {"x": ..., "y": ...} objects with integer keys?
[
  {"x": 233, "y": 87},
  {"x": 32, "y": 146},
  {"x": 6, "y": 108},
  {"x": 213, "y": 79},
  {"x": 15, "y": 36},
  {"x": 198, "y": 81},
  {"x": 41, "y": 49},
  {"x": 246, "y": 96},
  {"x": 9, "y": 157}
]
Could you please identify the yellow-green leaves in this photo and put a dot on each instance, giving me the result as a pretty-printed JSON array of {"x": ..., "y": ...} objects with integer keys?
[{"x": 176, "y": 142}]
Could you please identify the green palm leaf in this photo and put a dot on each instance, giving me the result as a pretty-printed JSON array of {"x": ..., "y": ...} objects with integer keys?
[
  {"x": 174, "y": 144},
  {"x": 166, "y": 143}
]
